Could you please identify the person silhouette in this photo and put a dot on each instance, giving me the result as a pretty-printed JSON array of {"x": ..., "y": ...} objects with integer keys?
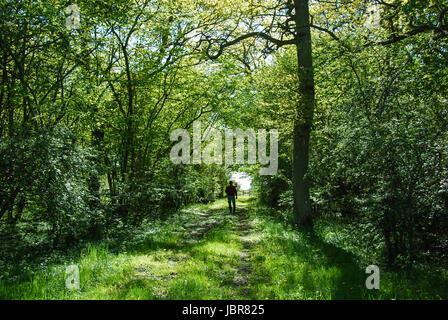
[{"x": 232, "y": 194}]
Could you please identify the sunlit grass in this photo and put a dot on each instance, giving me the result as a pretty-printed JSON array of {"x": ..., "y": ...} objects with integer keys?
[
  {"x": 203, "y": 253},
  {"x": 297, "y": 265}
]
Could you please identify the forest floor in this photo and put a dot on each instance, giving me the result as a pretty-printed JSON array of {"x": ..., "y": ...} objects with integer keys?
[{"x": 204, "y": 252}]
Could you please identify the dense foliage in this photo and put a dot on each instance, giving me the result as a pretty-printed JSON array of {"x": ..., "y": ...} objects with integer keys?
[
  {"x": 378, "y": 167},
  {"x": 85, "y": 120},
  {"x": 86, "y": 115}
]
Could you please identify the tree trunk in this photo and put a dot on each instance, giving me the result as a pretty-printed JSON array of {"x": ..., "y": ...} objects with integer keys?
[{"x": 304, "y": 119}]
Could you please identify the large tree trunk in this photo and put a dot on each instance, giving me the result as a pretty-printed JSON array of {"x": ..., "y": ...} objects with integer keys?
[{"x": 304, "y": 120}]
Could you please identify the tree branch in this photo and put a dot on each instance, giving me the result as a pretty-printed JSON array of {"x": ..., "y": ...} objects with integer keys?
[
  {"x": 417, "y": 30},
  {"x": 279, "y": 43}
]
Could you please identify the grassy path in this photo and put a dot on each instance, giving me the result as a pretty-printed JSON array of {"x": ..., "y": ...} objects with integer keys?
[{"x": 204, "y": 252}]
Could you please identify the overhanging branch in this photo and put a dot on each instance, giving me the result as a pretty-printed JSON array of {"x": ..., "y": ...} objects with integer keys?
[
  {"x": 439, "y": 31},
  {"x": 225, "y": 44}
]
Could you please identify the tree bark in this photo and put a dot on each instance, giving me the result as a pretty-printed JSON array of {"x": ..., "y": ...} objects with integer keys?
[
  {"x": 305, "y": 103},
  {"x": 304, "y": 119}
]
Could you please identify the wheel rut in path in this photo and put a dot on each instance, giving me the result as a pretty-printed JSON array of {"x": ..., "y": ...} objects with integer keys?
[{"x": 244, "y": 269}]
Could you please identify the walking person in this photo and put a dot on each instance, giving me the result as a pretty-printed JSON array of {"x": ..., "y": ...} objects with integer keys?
[{"x": 232, "y": 194}]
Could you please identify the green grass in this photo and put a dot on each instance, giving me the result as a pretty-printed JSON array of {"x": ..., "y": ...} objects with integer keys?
[
  {"x": 299, "y": 265},
  {"x": 203, "y": 252}
]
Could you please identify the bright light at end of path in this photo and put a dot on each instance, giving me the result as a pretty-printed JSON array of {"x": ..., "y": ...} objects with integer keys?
[{"x": 242, "y": 179}]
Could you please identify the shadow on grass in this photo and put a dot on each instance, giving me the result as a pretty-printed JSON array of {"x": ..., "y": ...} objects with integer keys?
[
  {"x": 339, "y": 272},
  {"x": 350, "y": 282},
  {"x": 312, "y": 268}
]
